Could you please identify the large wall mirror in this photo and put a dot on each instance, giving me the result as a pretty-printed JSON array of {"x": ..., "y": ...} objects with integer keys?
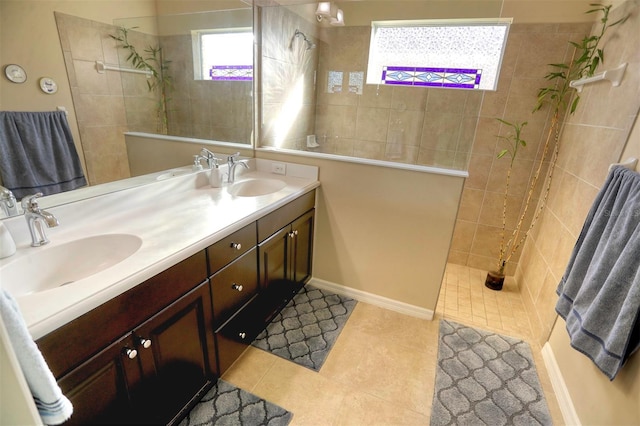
[
  {"x": 208, "y": 102},
  {"x": 159, "y": 75},
  {"x": 311, "y": 83}
]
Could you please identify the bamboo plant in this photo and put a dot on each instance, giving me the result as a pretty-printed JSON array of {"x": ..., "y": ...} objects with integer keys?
[
  {"x": 160, "y": 81},
  {"x": 562, "y": 99}
]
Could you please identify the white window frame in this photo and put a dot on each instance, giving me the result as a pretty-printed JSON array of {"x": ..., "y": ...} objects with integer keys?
[
  {"x": 198, "y": 72},
  {"x": 435, "y": 61}
]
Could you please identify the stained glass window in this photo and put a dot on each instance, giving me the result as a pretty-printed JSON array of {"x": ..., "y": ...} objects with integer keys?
[
  {"x": 225, "y": 56},
  {"x": 460, "y": 54}
]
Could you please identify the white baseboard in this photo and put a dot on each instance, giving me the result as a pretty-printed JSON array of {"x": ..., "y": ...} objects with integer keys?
[
  {"x": 560, "y": 388},
  {"x": 373, "y": 299}
]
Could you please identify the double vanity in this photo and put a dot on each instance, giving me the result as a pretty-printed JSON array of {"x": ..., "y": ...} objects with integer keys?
[{"x": 145, "y": 296}]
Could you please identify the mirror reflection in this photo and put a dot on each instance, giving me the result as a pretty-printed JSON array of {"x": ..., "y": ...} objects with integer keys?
[
  {"x": 173, "y": 91},
  {"x": 206, "y": 60},
  {"x": 315, "y": 97},
  {"x": 110, "y": 107},
  {"x": 312, "y": 91}
]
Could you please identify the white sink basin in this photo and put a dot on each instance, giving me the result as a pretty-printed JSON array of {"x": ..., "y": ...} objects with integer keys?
[
  {"x": 255, "y": 187},
  {"x": 51, "y": 267},
  {"x": 173, "y": 173}
]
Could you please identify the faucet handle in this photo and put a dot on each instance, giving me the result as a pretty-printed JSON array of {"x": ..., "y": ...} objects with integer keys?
[{"x": 30, "y": 202}]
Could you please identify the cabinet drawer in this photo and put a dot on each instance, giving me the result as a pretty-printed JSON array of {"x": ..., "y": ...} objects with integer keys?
[
  {"x": 235, "y": 245},
  {"x": 230, "y": 346},
  {"x": 237, "y": 334},
  {"x": 76, "y": 341},
  {"x": 285, "y": 215},
  {"x": 233, "y": 286}
]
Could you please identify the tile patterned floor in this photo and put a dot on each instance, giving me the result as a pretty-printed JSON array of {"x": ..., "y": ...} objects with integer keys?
[{"x": 382, "y": 369}]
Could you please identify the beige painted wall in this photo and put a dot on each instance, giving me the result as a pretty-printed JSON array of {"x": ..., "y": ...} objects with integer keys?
[
  {"x": 597, "y": 135},
  {"x": 379, "y": 230},
  {"x": 382, "y": 230}
]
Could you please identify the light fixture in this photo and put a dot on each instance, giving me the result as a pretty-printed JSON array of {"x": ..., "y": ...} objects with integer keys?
[
  {"x": 338, "y": 21},
  {"x": 329, "y": 12},
  {"x": 325, "y": 10}
]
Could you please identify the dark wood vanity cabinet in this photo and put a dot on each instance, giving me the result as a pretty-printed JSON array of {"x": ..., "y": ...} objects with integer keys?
[
  {"x": 99, "y": 388},
  {"x": 152, "y": 351},
  {"x": 280, "y": 265},
  {"x": 147, "y": 355},
  {"x": 285, "y": 255},
  {"x": 233, "y": 263}
]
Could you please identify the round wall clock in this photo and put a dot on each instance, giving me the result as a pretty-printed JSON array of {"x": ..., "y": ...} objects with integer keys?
[
  {"x": 48, "y": 85},
  {"x": 15, "y": 73}
]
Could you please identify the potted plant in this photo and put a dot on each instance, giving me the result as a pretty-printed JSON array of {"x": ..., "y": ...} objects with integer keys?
[
  {"x": 160, "y": 80},
  {"x": 562, "y": 99},
  {"x": 495, "y": 279}
]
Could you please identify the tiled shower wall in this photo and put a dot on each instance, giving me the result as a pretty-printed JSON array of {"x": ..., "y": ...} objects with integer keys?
[
  {"x": 593, "y": 138},
  {"x": 436, "y": 127},
  {"x": 530, "y": 48},
  {"x": 98, "y": 98},
  {"x": 400, "y": 124},
  {"x": 205, "y": 109}
]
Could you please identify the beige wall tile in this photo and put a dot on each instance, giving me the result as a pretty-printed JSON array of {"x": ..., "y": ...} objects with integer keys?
[
  {"x": 401, "y": 153},
  {"x": 491, "y": 212},
  {"x": 405, "y": 127},
  {"x": 479, "y": 169},
  {"x": 85, "y": 41},
  {"x": 470, "y": 204},
  {"x": 372, "y": 124},
  {"x": 409, "y": 98},
  {"x": 463, "y": 236},
  {"x": 487, "y": 242}
]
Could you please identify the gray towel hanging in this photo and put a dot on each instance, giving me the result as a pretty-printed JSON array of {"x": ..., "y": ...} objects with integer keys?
[
  {"x": 37, "y": 153},
  {"x": 600, "y": 290}
]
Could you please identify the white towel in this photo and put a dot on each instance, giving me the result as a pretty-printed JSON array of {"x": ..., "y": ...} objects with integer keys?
[{"x": 54, "y": 408}]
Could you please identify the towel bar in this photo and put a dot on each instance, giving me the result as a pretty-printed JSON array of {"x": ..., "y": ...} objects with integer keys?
[
  {"x": 101, "y": 67},
  {"x": 614, "y": 76},
  {"x": 630, "y": 163}
]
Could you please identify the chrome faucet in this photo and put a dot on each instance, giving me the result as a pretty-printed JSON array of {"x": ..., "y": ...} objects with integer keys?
[
  {"x": 210, "y": 157},
  {"x": 232, "y": 163},
  {"x": 8, "y": 202},
  {"x": 37, "y": 219}
]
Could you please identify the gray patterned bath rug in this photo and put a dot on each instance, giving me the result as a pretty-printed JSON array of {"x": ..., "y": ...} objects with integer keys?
[
  {"x": 307, "y": 328},
  {"x": 485, "y": 378},
  {"x": 226, "y": 404}
]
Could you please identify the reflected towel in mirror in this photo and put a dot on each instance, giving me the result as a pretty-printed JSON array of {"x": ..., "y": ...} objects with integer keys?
[{"x": 37, "y": 153}]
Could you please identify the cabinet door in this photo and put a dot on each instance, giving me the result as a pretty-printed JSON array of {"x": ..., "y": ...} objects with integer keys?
[
  {"x": 177, "y": 356},
  {"x": 274, "y": 260},
  {"x": 302, "y": 247},
  {"x": 100, "y": 388}
]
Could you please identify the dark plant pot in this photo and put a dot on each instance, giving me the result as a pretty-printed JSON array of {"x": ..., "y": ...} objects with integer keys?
[{"x": 494, "y": 280}]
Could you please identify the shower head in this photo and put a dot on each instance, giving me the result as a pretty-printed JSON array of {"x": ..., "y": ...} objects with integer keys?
[{"x": 310, "y": 44}]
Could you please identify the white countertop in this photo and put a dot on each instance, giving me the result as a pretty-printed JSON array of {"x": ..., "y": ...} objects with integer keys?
[{"x": 175, "y": 218}]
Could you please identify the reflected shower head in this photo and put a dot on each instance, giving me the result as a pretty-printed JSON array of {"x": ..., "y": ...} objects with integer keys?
[{"x": 310, "y": 44}]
